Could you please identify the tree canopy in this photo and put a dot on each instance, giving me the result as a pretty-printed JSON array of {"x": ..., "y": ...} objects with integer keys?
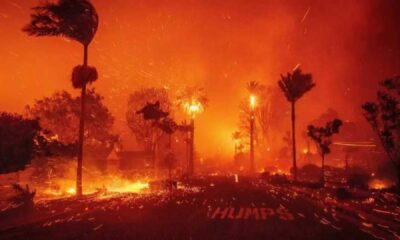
[
  {"x": 384, "y": 118},
  {"x": 20, "y": 141},
  {"x": 73, "y": 19},
  {"x": 294, "y": 85},
  {"x": 322, "y": 135},
  {"x": 146, "y": 133},
  {"x": 59, "y": 114}
]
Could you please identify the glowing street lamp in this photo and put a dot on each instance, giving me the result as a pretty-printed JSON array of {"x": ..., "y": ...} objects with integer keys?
[{"x": 252, "y": 101}]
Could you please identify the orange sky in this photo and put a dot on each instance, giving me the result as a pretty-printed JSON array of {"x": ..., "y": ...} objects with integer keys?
[{"x": 220, "y": 45}]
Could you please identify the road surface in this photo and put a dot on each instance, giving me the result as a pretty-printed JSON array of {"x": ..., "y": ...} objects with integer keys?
[{"x": 216, "y": 208}]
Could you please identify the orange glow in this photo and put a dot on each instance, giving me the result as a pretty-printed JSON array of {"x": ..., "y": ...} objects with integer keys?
[
  {"x": 71, "y": 191},
  {"x": 93, "y": 182},
  {"x": 193, "y": 108},
  {"x": 215, "y": 44},
  {"x": 253, "y": 102},
  {"x": 378, "y": 184},
  {"x": 117, "y": 185}
]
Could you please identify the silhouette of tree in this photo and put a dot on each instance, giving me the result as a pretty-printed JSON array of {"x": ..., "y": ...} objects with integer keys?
[
  {"x": 254, "y": 87},
  {"x": 326, "y": 117},
  {"x": 322, "y": 137},
  {"x": 384, "y": 118},
  {"x": 148, "y": 100},
  {"x": 270, "y": 115},
  {"x": 168, "y": 125},
  {"x": 152, "y": 111},
  {"x": 20, "y": 140},
  {"x": 76, "y": 20},
  {"x": 60, "y": 114},
  {"x": 192, "y": 100},
  {"x": 294, "y": 86}
]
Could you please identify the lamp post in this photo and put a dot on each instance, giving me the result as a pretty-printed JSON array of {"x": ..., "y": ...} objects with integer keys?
[{"x": 252, "y": 101}]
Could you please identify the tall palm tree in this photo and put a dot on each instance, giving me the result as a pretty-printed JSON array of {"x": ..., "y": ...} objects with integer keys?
[
  {"x": 254, "y": 88},
  {"x": 76, "y": 20},
  {"x": 192, "y": 100},
  {"x": 294, "y": 85}
]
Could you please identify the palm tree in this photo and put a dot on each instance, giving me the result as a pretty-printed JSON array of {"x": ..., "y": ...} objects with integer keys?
[
  {"x": 192, "y": 100},
  {"x": 294, "y": 86},
  {"x": 76, "y": 20},
  {"x": 253, "y": 87}
]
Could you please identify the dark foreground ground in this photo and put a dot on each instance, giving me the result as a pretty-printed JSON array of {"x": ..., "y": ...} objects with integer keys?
[{"x": 216, "y": 208}]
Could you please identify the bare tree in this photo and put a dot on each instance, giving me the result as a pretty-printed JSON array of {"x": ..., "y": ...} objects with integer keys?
[
  {"x": 76, "y": 20},
  {"x": 294, "y": 86}
]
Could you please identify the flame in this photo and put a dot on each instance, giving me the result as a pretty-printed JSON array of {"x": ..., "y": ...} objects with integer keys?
[
  {"x": 193, "y": 108},
  {"x": 253, "y": 101},
  {"x": 71, "y": 191},
  {"x": 379, "y": 184},
  {"x": 93, "y": 182},
  {"x": 125, "y": 186}
]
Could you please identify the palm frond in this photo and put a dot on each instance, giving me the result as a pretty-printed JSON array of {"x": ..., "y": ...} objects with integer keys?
[
  {"x": 73, "y": 19},
  {"x": 295, "y": 85}
]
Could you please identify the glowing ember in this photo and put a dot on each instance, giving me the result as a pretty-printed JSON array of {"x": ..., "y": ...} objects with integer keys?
[
  {"x": 131, "y": 187},
  {"x": 378, "y": 184},
  {"x": 71, "y": 191},
  {"x": 193, "y": 108},
  {"x": 252, "y": 101}
]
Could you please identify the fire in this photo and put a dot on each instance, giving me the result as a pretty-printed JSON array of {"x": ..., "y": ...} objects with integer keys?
[
  {"x": 109, "y": 185},
  {"x": 125, "y": 186},
  {"x": 193, "y": 108},
  {"x": 93, "y": 182},
  {"x": 279, "y": 171},
  {"x": 252, "y": 101},
  {"x": 378, "y": 184},
  {"x": 71, "y": 191}
]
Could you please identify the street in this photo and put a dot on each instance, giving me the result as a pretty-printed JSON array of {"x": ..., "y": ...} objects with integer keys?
[{"x": 217, "y": 208}]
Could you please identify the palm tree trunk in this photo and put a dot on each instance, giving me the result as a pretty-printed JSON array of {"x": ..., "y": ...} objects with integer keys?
[
  {"x": 252, "y": 142},
  {"x": 294, "y": 141},
  {"x": 323, "y": 171},
  {"x": 191, "y": 148},
  {"x": 81, "y": 130}
]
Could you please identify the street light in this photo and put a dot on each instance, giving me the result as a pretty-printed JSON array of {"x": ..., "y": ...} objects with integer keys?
[
  {"x": 192, "y": 108},
  {"x": 252, "y": 101}
]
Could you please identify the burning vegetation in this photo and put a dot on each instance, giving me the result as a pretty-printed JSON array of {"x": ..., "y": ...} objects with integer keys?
[{"x": 136, "y": 154}]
